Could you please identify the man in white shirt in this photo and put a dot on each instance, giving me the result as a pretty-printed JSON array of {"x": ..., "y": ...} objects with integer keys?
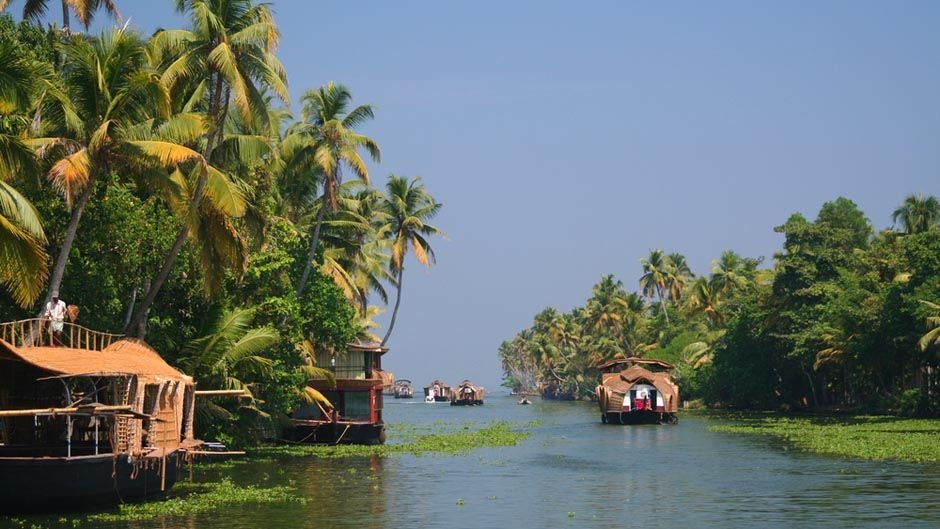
[{"x": 55, "y": 312}]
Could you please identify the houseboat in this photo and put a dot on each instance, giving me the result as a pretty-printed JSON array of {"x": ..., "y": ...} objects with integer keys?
[
  {"x": 87, "y": 418},
  {"x": 637, "y": 390},
  {"x": 356, "y": 414},
  {"x": 467, "y": 394},
  {"x": 437, "y": 391},
  {"x": 404, "y": 389}
]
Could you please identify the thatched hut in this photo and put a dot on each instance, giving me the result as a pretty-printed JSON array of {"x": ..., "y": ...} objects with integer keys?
[{"x": 642, "y": 391}]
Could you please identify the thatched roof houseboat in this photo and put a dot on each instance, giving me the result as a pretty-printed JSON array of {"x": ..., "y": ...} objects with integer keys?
[
  {"x": 388, "y": 382},
  {"x": 637, "y": 390},
  {"x": 356, "y": 415},
  {"x": 467, "y": 394},
  {"x": 437, "y": 391},
  {"x": 404, "y": 389},
  {"x": 87, "y": 418}
]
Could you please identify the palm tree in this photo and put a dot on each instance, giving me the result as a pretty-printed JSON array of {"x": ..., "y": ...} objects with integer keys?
[
  {"x": 24, "y": 267},
  {"x": 932, "y": 336},
  {"x": 111, "y": 126},
  {"x": 918, "y": 214},
  {"x": 326, "y": 139},
  {"x": 228, "y": 355},
  {"x": 679, "y": 274},
  {"x": 84, "y": 10},
  {"x": 655, "y": 277},
  {"x": 729, "y": 275},
  {"x": 227, "y": 59},
  {"x": 703, "y": 298},
  {"x": 409, "y": 207}
]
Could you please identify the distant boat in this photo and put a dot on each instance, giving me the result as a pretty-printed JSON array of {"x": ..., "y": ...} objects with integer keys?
[
  {"x": 637, "y": 390},
  {"x": 467, "y": 394},
  {"x": 437, "y": 391},
  {"x": 388, "y": 382},
  {"x": 524, "y": 401},
  {"x": 404, "y": 389}
]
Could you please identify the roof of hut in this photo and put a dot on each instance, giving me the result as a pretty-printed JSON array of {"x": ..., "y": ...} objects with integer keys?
[
  {"x": 439, "y": 383},
  {"x": 123, "y": 357},
  {"x": 387, "y": 377},
  {"x": 403, "y": 381},
  {"x": 371, "y": 346},
  {"x": 635, "y": 360}
]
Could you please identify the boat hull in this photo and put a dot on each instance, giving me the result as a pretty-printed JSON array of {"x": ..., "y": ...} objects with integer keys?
[
  {"x": 325, "y": 432},
  {"x": 53, "y": 484},
  {"x": 466, "y": 402},
  {"x": 639, "y": 417}
]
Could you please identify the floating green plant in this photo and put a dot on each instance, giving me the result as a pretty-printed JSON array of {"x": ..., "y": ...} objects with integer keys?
[{"x": 866, "y": 437}]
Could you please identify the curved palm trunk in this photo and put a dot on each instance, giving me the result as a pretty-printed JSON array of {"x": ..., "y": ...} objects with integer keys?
[
  {"x": 58, "y": 271},
  {"x": 65, "y": 16},
  {"x": 312, "y": 252},
  {"x": 662, "y": 303},
  {"x": 215, "y": 137},
  {"x": 391, "y": 324}
]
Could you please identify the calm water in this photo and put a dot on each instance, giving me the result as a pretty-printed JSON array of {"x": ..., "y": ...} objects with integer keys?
[{"x": 608, "y": 476}]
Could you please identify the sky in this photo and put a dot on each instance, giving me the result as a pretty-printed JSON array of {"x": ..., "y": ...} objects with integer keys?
[{"x": 567, "y": 140}]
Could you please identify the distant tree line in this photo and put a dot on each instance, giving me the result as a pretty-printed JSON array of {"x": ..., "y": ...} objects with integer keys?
[{"x": 843, "y": 318}]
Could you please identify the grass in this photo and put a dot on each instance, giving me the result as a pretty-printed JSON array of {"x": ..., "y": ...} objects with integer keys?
[
  {"x": 865, "y": 437},
  {"x": 434, "y": 439}
]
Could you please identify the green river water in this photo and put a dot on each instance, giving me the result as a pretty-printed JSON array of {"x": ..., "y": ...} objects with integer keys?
[{"x": 571, "y": 472}]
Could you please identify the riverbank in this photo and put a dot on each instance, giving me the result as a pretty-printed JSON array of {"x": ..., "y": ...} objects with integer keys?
[{"x": 864, "y": 437}]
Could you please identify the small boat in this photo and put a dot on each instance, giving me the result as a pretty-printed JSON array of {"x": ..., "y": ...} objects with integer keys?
[
  {"x": 524, "y": 401},
  {"x": 467, "y": 394},
  {"x": 436, "y": 391},
  {"x": 88, "y": 419},
  {"x": 404, "y": 389},
  {"x": 637, "y": 390}
]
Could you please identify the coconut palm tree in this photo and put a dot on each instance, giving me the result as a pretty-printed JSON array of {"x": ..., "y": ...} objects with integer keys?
[
  {"x": 918, "y": 214},
  {"x": 410, "y": 207},
  {"x": 326, "y": 140},
  {"x": 932, "y": 336},
  {"x": 84, "y": 10},
  {"x": 679, "y": 274},
  {"x": 24, "y": 267},
  {"x": 112, "y": 126},
  {"x": 225, "y": 60},
  {"x": 655, "y": 278}
]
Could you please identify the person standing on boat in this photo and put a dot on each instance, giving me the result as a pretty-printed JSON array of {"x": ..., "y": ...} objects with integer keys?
[{"x": 55, "y": 313}]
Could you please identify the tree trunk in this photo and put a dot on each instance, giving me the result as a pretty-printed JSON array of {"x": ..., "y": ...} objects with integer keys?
[
  {"x": 662, "y": 303},
  {"x": 214, "y": 137},
  {"x": 58, "y": 271},
  {"x": 130, "y": 306},
  {"x": 65, "y": 16},
  {"x": 391, "y": 324},
  {"x": 312, "y": 252}
]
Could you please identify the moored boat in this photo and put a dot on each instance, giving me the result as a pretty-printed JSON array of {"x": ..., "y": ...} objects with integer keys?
[
  {"x": 637, "y": 390},
  {"x": 404, "y": 389},
  {"x": 467, "y": 394},
  {"x": 356, "y": 415},
  {"x": 437, "y": 391},
  {"x": 88, "y": 419}
]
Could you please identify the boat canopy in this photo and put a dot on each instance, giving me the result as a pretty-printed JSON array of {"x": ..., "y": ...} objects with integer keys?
[{"x": 635, "y": 360}]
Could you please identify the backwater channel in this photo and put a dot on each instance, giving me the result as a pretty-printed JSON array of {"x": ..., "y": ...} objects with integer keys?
[{"x": 574, "y": 472}]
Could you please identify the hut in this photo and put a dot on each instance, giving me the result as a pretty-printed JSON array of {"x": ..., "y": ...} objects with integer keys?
[
  {"x": 357, "y": 400},
  {"x": 437, "y": 391},
  {"x": 404, "y": 389},
  {"x": 87, "y": 418},
  {"x": 467, "y": 394},
  {"x": 637, "y": 390}
]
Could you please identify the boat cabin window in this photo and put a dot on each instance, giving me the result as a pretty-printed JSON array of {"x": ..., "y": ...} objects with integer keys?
[
  {"x": 357, "y": 405},
  {"x": 351, "y": 364},
  {"x": 151, "y": 395}
]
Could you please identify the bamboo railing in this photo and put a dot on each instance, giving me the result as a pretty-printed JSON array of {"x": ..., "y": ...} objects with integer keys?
[{"x": 37, "y": 332}]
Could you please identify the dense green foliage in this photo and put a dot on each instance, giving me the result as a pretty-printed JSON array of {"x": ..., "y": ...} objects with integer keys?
[
  {"x": 845, "y": 317},
  {"x": 154, "y": 183}
]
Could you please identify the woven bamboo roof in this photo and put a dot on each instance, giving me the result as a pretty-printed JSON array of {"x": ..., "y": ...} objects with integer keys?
[
  {"x": 373, "y": 347},
  {"x": 439, "y": 383},
  {"x": 123, "y": 357},
  {"x": 635, "y": 360},
  {"x": 622, "y": 382},
  {"x": 387, "y": 377}
]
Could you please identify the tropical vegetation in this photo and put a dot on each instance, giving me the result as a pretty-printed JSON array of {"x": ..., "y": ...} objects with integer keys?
[
  {"x": 843, "y": 317},
  {"x": 169, "y": 172}
]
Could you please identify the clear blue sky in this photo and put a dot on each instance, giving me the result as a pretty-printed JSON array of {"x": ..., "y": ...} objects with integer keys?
[{"x": 568, "y": 139}]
